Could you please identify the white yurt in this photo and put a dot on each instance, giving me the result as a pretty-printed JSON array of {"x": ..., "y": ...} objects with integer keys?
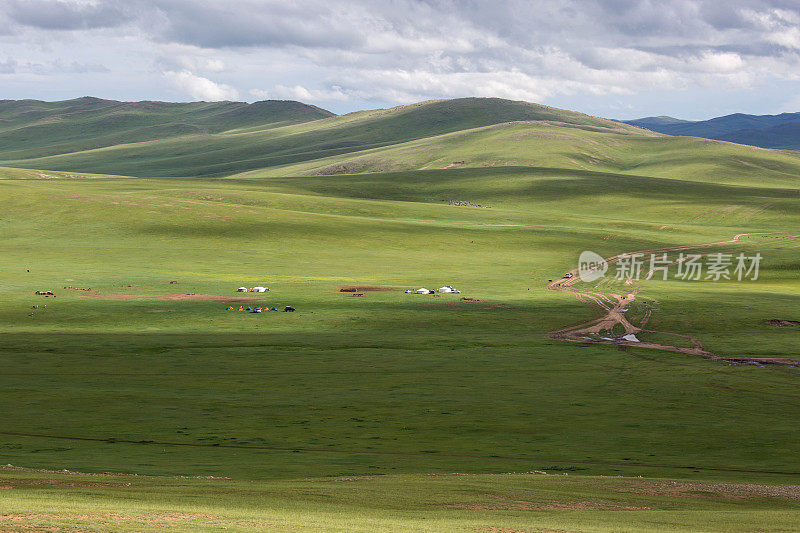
[
  {"x": 444, "y": 289},
  {"x": 241, "y": 289},
  {"x": 422, "y": 291},
  {"x": 259, "y": 289}
]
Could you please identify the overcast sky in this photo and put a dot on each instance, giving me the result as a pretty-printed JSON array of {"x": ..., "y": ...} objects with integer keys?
[{"x": 614, "y": 58}]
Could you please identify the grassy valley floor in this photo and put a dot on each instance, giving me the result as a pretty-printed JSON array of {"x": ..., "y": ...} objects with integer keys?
[{"x": 354, "y": 412}]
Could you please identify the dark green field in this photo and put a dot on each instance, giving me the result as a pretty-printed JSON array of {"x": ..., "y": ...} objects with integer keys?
[{"x": 143, "y": 376}]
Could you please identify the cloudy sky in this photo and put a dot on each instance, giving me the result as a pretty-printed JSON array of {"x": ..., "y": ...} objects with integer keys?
[{"x": 615, "y": 58}]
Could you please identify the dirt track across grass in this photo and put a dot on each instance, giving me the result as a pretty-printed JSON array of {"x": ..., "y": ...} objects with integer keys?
[{"x": 614, "y": 306}]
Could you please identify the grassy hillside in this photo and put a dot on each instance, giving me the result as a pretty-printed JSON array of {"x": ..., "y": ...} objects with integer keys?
[
  {"x": 471, "y": 132},
  {"x": 32, "y": 128},
  {"x": 556, "y": 146},
  {"x": 258, "y": 146}
]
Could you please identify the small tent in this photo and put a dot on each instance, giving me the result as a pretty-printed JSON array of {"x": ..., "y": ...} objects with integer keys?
[
  {"x": 259, "y": 289},
  {"x": 241, "y": 289}
]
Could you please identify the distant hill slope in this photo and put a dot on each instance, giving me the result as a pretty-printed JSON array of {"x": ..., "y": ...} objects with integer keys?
[
  {"x": 784, "y": 136},
  {"x": 647, "y": 122},
  {"x": 259, "y": 146},
  {"x": 32, "y": 128},
  {"x": 437, "y": 134},
  {"x": 535, "y": 144},
  {"x": 767, "y": 131}
]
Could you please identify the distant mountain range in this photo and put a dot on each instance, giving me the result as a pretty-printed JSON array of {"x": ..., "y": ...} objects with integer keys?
[{"x": 767, "y": 131}]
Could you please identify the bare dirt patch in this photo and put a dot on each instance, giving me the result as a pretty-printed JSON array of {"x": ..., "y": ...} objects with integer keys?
[
  {"x": 761, "y": 361},
  {"x": 172, "y": 297},
  {"x": 714, "y": 491},
  {"x": 150, "y": 519},
  {"x": 495, "y": 529},
  {"x": 588, "y": 506},
  {"x": 111, "y": 521},
  {"x": 11, "y": 483},
  {"x": 782, "y": 323},
  {"x": 365, "y": 288},
  {"x": 500, "y": 530}
]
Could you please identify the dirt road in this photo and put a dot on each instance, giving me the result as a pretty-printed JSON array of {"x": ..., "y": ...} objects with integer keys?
[{"x": 613, "y": 326}]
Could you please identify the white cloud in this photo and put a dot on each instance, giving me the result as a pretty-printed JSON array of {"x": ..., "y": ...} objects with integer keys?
[
  {"x": 298, "y": 92},
  {"x": 383, "y": 52},
  {"x": 789, "y": 37},
  {"x": 200, "y": 88},
  {"x": 68, "y": 14},
  {"x": 711, "y": 62}
]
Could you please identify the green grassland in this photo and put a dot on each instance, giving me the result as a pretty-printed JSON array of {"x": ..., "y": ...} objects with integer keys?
[
  {"x": 391, "y": 388},
  {"x": 509, "y": 502}
]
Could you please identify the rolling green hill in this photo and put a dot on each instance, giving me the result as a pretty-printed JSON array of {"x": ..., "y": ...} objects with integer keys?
[
  {"x": 544, "y": 144},
  {"x": 260, "y": 146},
  {"x": 469, "y": 132},
  {"x": 32, "y": 128}
]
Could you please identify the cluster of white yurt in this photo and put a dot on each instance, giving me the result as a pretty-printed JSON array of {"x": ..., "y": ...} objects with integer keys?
[{"x": 447, "y": 289}]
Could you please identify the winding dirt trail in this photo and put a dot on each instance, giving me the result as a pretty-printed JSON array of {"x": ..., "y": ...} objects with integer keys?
[{"x": 614, "y": 306}]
